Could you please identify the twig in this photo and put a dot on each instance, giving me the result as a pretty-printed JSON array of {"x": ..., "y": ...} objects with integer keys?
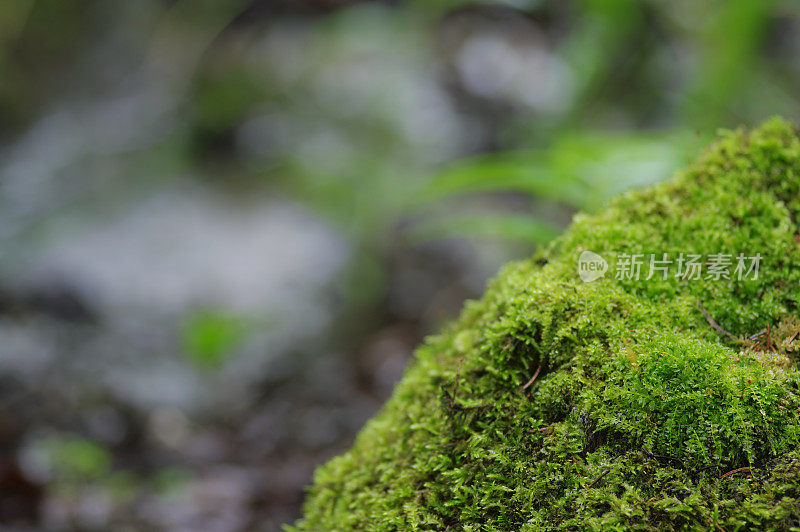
[
  {"x": 788, "y": 342},
  {"x": 536, "y": 374},
  {"x": 745, "y": 468},
  {"x": 714, "y": 324},
  {"x": 706, "y": 468},
  {"x": 458, "y": 375},
  {"x": 769, "y": 339},
  {"x": 756, "y": 335},
  {"x": 662, "y": 457},
  {"x": 595, "y": 481}
]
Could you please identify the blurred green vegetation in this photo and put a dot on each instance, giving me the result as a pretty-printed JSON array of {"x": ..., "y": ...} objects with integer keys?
[
  {"x": 436, "y": 139},
  {"x": 72, "y": 459},
  {"x": 402, "y": 124},
  {"x": 647, "y": 82},
  {"x": 354, "y": 111},
  {"x": 210, "y": 337}
]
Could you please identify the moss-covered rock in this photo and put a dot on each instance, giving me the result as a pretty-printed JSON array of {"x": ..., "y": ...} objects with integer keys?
[{"x": 651, "y": 407}]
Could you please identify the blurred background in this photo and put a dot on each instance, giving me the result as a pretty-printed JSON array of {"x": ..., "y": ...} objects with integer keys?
[{"x": 226, "y": 224}]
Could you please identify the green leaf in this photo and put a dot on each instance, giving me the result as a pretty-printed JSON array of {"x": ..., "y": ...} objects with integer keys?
[
  {"x": 522, "y": 228},
  {"x": 521, "y": 171},
  {"x": 209, "y": 338},
  {"x": 74, "y": 459}
]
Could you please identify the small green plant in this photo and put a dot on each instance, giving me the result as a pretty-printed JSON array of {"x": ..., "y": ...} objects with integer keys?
[
  {"x": 210, "y": 337},
  {"x": 72, "y": 459}
]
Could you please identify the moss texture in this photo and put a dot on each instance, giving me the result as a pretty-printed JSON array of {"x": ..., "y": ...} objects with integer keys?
[{"x": 643, "y": 415}]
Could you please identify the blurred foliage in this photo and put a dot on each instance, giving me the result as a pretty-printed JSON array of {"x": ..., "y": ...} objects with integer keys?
[
  {"x": 681, "y": 69},
  {"x": 730, "y": 58},
  {"x": 71, "y": 459},
  {"x": 410, "y": 122},
  {"x": 581, "y": 171},
  {"x": 436, "y": 139},
  {"x": 209, "y": 338},
  {"x": 352, "y": 110},
  {"x": 518, "y": 227}
]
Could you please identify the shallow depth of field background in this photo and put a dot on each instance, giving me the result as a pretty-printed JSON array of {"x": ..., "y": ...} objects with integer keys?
[{"x": 226, "y": 224}]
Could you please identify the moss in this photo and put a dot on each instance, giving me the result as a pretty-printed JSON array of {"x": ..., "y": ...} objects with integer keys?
[{"x": 644, "y": 415}]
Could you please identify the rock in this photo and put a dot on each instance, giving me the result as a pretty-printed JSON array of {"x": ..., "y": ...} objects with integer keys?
[{"x": 692, "y": 424}]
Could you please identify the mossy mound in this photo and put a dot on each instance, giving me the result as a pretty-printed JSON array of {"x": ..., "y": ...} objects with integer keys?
[{"x": 652, "y": 406}]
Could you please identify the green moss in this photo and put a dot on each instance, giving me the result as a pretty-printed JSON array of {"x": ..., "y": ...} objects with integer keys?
[{"x": 641, "y": 409}]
